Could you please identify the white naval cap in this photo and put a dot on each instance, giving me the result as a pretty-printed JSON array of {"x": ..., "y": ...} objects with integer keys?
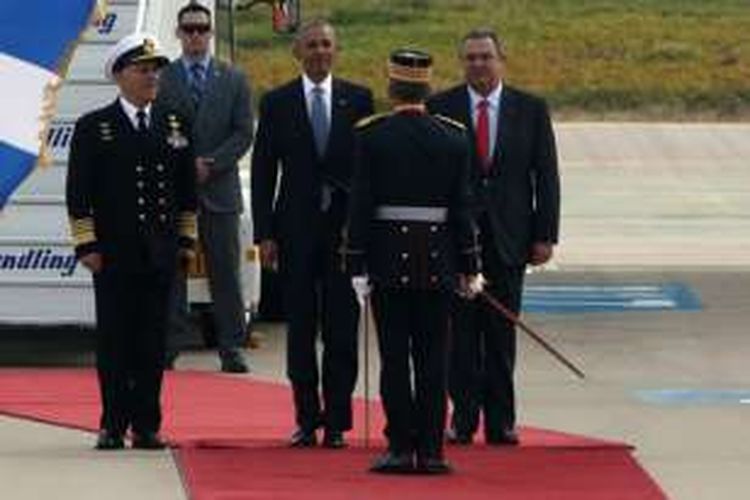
[{"x": 134, "y": 48}]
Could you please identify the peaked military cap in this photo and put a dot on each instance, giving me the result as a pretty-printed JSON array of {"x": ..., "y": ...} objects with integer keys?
[
  {"x": 134, "y": 48},
  {"x": 411, "y": 66}
]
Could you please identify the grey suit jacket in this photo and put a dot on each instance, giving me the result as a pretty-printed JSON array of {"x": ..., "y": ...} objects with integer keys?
[{"x": 222, "y": 127}]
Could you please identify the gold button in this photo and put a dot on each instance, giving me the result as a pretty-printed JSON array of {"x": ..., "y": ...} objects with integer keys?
[
  {"x": 142, "y": 217},
  {"x": 404, "y": 256},
  {"x": 139, "y": 169},
  {"x": 434, "y": 254},
  {"x": 161, "y": 185},
  {"x": 404, "y": 229},
  {"x": 433, "y": 278},
  {"x": 404, "y": 279},
  {"x": 139, "y": 184},
  {"x": 162, "y": 201},
  {"x": 141, "y": 201},
  {"x": 434, "y": 229},
  {"x": 160, "y": 167},
  {"x": 163, "y": 218}
]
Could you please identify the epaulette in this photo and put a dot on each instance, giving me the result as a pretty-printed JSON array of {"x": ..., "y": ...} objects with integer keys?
[
  {"x": 369, "y": 120},
  {"x": 451, "y": 121}
]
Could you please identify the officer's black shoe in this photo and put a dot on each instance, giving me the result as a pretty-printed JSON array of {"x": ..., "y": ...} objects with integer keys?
[
  {"x": 148, "y": 441},
  {"x": 453, "y": 436},
  {"x": 303, "y": 439},
  {"x": 503, "y": 437},
  {"x": 108, "y": 440},
  {"x": 233, "y": 362},
  {"x": 169, "y": 360},
  {"x": 393, "y": 463},
  {"x": 334, "y": 439},
  {"x": 433, "y": 465}
]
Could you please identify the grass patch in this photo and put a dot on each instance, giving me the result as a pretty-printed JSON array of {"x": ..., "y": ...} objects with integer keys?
[{"x": 660, "y": 59}]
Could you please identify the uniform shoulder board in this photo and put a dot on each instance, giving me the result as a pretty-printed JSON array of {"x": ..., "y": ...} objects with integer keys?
[
  {"x": 369, "y": 120},
  {"x": 451, "y": 121}
]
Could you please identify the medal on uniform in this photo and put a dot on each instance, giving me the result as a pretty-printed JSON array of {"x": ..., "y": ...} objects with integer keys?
[
  {"x": 175, "y": 138},
  {"x": 105, "y": 132}
]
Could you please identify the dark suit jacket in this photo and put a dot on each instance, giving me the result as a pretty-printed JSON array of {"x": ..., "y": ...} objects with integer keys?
[
  {"x": 222, "y": 127},
  {"x": 285, "y": 140},
  {"x": 129, "y": 198},
  {"x": 521, "y": 196}
]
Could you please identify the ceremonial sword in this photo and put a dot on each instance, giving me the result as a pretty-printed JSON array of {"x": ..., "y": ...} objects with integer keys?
[{"x": 513, "y": 318}]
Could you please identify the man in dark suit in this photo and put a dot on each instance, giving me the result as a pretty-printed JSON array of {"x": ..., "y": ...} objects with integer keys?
[
  {"x": 306, "y": 130},
  {"x": 215, "y": 97},
  {"x": 131, "y": 201},
  {"x": 411, "y": 234},
  {"x": 516, "y": 187}
]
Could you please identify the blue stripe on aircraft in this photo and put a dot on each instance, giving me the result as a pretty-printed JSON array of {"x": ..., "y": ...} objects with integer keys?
[
  {"x": 572, "y": 298},
  {"x": 42, "y": 31},
  {"x": 15, "y": 165}
]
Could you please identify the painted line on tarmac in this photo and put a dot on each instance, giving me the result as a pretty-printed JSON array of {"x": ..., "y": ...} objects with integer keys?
[
  {"x": 694, "y": 397},
  {"x": 581, "y": 298}
]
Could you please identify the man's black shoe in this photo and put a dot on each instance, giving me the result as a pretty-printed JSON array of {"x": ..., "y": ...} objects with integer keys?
[
  {"x": 108, "y": 440},
  {"x": 506, "y": 437},
  {"x": 148, "y": 441},
  {"x": 303, "y": 439},
  {"x": 333, "y": 439},
  {"x": 452, "y": 436},
  {"x": 233, "y": 362},
  {"x": 169, "y": 360},
  {"x": 433, "y": 465},
  {"x": 393, "y": 463}
]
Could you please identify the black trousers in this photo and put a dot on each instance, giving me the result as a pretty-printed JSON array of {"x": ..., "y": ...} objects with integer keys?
[
  {"x": 131, "y": 310},
  {"x": 318, "y": 297},
  {"x": 412, "y": 331},
  {"x": 483, "y": 349}
]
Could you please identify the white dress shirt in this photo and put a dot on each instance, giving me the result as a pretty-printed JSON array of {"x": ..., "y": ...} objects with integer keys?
[
  {"x": 132, "y": 111},
  {"x": 326, "y": 85},
  {"x": 493, "y": 111}
]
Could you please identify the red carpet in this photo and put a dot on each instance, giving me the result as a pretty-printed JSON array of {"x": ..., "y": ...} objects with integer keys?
[
  {"x": 231, "y": 431},
  {"x": 481, "y": 472}
]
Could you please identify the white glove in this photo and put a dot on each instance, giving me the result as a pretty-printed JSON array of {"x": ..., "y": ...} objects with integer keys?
[
  {"x": 361, "y": 286},
  {"x": 475, "y": 286}
]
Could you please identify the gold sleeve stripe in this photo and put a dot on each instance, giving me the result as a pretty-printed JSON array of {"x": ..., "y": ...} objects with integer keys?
[
  {"x": 252, "y": 254},
  {"x": 82, "y": 230},
  {"x": 187, "y": 225}
]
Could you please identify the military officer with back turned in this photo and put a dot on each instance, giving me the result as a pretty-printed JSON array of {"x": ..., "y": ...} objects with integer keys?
[{"x": 411, "y": 237}]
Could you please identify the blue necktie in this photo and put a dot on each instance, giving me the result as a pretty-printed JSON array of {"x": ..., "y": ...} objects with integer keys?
[
  {"x": 319, "y": 121},
  {"x": 197, "y": 82}
]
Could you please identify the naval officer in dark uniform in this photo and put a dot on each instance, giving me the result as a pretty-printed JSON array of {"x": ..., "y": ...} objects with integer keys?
[
  {"x": 412, "y": 238},
  {"x": 131, "y": 202}
]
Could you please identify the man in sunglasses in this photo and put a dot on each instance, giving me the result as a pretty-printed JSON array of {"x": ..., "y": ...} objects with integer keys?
[{"x": 216, "y": 99}]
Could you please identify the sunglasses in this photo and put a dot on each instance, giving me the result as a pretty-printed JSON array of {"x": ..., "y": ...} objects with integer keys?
[{"x": 201, "y": 29}]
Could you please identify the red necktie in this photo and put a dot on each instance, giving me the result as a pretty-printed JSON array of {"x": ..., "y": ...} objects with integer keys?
[{"x": 483, "y": 134}]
